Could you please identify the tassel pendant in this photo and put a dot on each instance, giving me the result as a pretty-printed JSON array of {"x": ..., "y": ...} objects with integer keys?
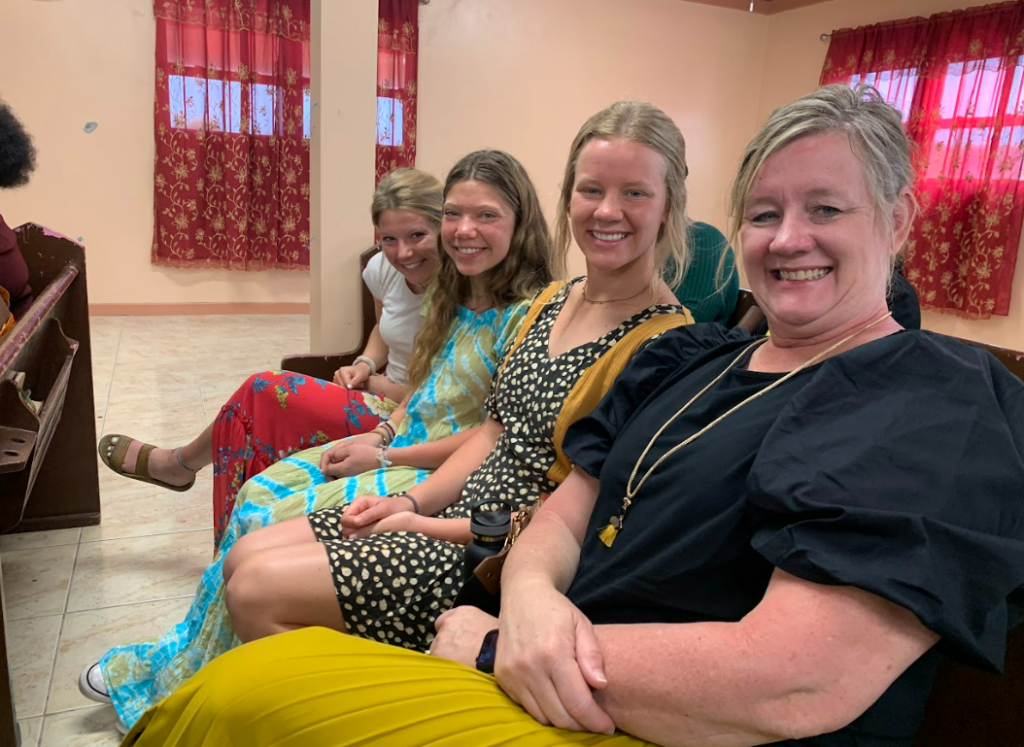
[{"x": 608, "y": 534}]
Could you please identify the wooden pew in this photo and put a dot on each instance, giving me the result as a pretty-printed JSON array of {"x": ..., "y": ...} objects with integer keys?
[
  {"x": 324, "y": 366},
  {"x": 48, "y": 470},
  {"x": 970, "y": 708},
  {"x": 748, "y": 314}
]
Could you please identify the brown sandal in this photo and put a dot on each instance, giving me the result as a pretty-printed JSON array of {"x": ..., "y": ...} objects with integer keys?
[{"x": 112, "y": 450}]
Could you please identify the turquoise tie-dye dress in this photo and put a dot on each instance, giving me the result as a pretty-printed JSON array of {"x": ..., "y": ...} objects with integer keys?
[{"x": 140, "y": 674}]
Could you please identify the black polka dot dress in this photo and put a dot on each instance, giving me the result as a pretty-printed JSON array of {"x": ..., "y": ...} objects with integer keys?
[{"x": 392, "y": 587}]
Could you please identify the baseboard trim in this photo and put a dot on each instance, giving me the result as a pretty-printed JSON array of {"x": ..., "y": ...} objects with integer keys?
[{"x": 195, "y": 309}]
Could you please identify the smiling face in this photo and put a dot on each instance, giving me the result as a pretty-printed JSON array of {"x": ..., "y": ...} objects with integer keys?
[
  {"x": 618, "y": 203},
  {"x": 477, "y": 227},
  {"x": 409, "y": 241},
  {"x": 815, "y": 248}
]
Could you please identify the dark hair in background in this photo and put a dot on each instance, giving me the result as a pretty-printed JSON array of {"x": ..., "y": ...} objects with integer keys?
[{"x": 17, "y": 154}]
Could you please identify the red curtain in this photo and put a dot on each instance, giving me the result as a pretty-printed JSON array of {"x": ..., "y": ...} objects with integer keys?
[
  {"x": 232, "y": 134},
  {"x": 957, "y": 79},
  {"x": 397, "y": 45}
]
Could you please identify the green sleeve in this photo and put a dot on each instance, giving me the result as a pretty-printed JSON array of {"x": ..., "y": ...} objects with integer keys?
[{"x": 709, "y": 296}]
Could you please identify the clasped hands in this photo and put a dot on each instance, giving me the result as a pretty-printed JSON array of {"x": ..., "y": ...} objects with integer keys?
[
  {"x": 376, "y": 514},
  {"x": 548, "y": 660},
  {"x": 351, "y": 457}
]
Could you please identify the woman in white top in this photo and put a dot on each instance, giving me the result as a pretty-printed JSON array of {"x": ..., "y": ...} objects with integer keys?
[{"x": 275, "y": 413}]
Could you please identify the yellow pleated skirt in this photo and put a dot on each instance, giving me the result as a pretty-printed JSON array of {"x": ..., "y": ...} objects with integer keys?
[{"x": 319, "y": 688}]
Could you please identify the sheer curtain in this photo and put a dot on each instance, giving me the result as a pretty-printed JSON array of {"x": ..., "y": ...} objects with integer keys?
[
  {"x": 957, "y": 79},
  {"x": 232, "y": 134},
  {"x": 397, "y": 45}
]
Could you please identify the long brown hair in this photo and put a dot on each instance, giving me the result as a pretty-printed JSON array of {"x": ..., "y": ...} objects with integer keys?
[{"x": 525, "y": 270}]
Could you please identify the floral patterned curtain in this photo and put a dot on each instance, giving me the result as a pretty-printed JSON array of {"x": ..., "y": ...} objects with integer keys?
[
  {"x": 232, "y": 134},
  {"x": 957, "y": 79},
  {"x": 397, "y": 45}
]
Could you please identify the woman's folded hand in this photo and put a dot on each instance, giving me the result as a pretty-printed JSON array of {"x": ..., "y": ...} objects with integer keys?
[
  {"x": 349, "y": 458},
  {"x": 549, "y": 659},
  {"x": 367, "y": 511}
]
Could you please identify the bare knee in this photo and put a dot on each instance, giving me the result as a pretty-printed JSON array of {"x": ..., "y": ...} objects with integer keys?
[
  {"x": 248, "y": 597},
  {"x": 242, "y": 550}
]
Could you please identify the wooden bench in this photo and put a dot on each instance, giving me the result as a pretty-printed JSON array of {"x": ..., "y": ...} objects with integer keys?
[
  {"x": 970, "y": 708},
  {"x": 324, "y": 366},
  {"x": 48, "y": 470}
]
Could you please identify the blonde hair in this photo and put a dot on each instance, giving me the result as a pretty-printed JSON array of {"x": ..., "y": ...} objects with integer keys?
[
  {"x": 411, "y": 191},
  {"x": 524, "y": 271},
  {"x": 875, "y": 132},
  {"x": 647, "y": 125}
]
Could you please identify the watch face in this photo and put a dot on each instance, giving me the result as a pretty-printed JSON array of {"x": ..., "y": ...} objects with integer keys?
[{"x": 485, "y": 659}]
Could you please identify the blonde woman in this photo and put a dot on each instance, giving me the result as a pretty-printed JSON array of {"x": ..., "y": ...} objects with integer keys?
[{"x": 276, "y": 413}]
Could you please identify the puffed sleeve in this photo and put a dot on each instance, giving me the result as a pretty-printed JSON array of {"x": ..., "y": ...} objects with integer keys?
[
  {"x": 588, "y": 440},
  {"x": 899, "y": 470}
]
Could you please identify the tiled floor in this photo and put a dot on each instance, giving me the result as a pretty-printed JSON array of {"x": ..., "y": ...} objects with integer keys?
[{"x": 71, "y": 593}]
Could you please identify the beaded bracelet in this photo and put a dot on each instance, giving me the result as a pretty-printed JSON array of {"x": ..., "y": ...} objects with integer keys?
[
  {"x": 368, "y": 361},
  {"x": 385, "y": 435}
]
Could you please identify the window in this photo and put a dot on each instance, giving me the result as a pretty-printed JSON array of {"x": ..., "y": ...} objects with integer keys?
[
  {"x": 983, "y": 141},
  {"x": 389, "y": 121},
  {"x": 896, "y": 86},
  {"x": 224, "y": 81},
  {"x": 204, "y": 103},
  {"x": 980, "y": 144}
]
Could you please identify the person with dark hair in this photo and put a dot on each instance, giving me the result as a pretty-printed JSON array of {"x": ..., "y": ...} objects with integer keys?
[{"x": 17, "y": 160}]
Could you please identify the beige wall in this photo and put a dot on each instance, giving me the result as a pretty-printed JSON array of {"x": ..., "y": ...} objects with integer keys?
[
  {"x": 63, "y": 64},
  {"x": 519, "y": 75},
  {"x": 792, "y": 65},
  {"x": 523, "y": 76}
]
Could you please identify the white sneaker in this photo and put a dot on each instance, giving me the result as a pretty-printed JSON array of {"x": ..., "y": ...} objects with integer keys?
[{"x": 91, "y": 685}]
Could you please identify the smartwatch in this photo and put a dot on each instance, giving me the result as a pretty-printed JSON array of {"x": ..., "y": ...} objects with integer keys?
[{"x": 485, "y": 659}]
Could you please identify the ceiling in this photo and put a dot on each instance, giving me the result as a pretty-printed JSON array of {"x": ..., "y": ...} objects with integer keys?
[{"x": 764, "y": 7}]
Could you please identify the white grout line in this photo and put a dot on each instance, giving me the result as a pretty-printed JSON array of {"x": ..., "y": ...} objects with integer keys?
[
  {"x": 133, "y": 604},
  {"x": 101, "y": 419},
  {"x": 60, "y": 633},
  {"x": 141, "y": 536}
]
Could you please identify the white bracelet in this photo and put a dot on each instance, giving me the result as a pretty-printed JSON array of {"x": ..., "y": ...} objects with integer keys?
[
  {"x": 382, "y": 458},
  {"x": 368, "y": 361}
]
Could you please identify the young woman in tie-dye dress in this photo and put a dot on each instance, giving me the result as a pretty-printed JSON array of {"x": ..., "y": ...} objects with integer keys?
[{"x": 473, "y": 316}]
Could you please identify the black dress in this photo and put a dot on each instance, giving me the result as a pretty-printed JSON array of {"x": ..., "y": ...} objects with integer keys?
[{"x": 897, "y": 467}]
